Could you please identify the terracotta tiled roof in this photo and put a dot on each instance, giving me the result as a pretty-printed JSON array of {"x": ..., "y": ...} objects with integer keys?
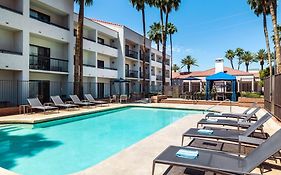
[
  {"x": 106, "y": 22},
  {"x": 210, "y": 72}
]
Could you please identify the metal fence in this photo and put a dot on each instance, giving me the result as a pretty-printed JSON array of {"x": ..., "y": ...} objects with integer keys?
[
  {"x": 272, "y": 95},
  {"x": 14, "y": 93}
]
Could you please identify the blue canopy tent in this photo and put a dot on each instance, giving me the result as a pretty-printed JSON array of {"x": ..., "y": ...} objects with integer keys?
[{"x": 221, "y": 76}]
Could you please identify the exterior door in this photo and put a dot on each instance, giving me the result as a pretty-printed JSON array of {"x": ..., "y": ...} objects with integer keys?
[{"x": 100, "y": 90}]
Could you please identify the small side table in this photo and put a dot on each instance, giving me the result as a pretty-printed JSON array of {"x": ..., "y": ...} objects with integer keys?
[{"x": 24, "y": 109}]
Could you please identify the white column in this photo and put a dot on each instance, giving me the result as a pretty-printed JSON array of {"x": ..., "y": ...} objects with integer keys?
[
  {"x": 200, "y": 86},
  {"x": 189, "y": 86},
  {"x": 253, "y": 84},
  {"x": 238, "y": 85}
]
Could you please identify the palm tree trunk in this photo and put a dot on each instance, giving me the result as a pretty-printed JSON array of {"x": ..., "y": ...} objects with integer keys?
[
  {"x": 164, "y": 52},
  {"x": 188, "y": 68},
  {"x": 231, "y": 62},
  {"x": 239, "y": 63},
  {"x": 171, "y": 43},
  {"x": 262, "y": 63},
  {"x": 78, "y": 67},
  {"x": 276, "y": 35},
  {"x": 247, "y": 67},
  {"x": 266, "y": 37},
  {"x": 143, "y": 51}
]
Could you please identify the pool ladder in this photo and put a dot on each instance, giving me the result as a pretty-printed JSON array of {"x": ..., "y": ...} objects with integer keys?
[{"x": 227, "y": 100}]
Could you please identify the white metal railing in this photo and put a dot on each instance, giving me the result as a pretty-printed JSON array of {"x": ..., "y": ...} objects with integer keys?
[{"x": 227, "y": 100}]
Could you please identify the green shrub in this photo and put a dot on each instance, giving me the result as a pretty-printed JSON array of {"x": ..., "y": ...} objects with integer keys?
[{"x": 250, "y": 94}]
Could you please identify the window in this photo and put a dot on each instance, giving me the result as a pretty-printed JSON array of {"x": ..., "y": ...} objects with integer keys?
[
  {"x": 100, "y": 64},
  {"x": 39, "y": 16},
  {"x": 100, "y": 40}
]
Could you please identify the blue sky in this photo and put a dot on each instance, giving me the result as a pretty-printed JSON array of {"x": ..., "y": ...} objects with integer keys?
[{"x": 206, "y": 28}]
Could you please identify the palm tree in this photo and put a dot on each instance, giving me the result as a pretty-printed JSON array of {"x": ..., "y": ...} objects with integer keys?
[
  {"x": 247, "y": 58},
  {"x": 230, "y": 55},
  {"x": 172, "y": 29},
  {"x": 260, "y": 7},
  {"x": 78, "y": 60},
  {"x": 261, "y": 56},
  {"x": 165, "y": 7},
  {"x": 188, "y": 61},
  {"x": 273, "y": 12},
  {"x": 155, "y": 33},
  {"x": 140, "y": 6},
  {"x": 175, "y": 68},
  {"x": 239, "y": 52}
]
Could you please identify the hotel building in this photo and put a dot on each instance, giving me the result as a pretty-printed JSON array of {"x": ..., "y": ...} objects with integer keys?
[{"x": 37, "y": 41}]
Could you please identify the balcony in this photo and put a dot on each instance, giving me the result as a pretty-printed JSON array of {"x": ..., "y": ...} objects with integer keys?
[
  {"x": 10, "y": 9},
  {"x": 47, "y": 63},
  {"x": 132, "y": 73},
  {"x": 45, "y": 18},
  {"x": 84, "y": 37},
  {"x": 159, "y": 77},
  {"x": 168, "y": 62},
  {"x": 159, "y": 60},
  {"x": 131, "y": 54},
  {"x": 102, "y": 43},
  {"x": 10, "y": 52},
  {"x": 147, "y": 57},
  {"x": 89, "y": 65},
  {"x": 146, "y": 75}
]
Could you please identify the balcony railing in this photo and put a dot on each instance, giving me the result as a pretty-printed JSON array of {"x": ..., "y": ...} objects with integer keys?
[
  {"x": 159, "y": 61},
  {"x": 168, "y": 63},
  {"x": 158, "y": 77},
  {"x": 10, "y": 9},
  {"x": 131, "y": 54},
  {"x": 108, "y": 68},
  {"x": 84, "y": 37},
  {"x": 153, "y": 73},
  {"x": 147, "y": 57},
  {"x": 46, "y": 21},
  {"x": 47, "y": 63},
  {"x": 107, "y": 45},
  {"x": 10, "y": 52},
  {"x": 132, "y": 73},
  {"x": 89, "y": 65},
  {"x": 146, "y": 75}
]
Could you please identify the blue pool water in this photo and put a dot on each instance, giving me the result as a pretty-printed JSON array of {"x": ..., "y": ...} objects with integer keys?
[{"x": 71, "y": 145}]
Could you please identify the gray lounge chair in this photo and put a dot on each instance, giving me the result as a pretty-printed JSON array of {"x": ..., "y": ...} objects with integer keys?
[
  {"x": 59, "y": 103},
  {"x": 77, "y": 101},
  {"x": 232, "y": 115},
  {"x": 229, "y": 135},
  {"x": 219, "y": 162},
  {"x": 36, "y": 104},
  {"x": 91, "y": 99},
  {"x": 227, "y": 122}
]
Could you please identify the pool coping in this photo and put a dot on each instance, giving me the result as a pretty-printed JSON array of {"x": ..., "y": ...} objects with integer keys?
[{"x": 15, "y": 119}]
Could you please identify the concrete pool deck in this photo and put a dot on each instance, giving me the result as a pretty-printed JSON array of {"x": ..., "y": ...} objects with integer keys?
[{"x": 137, "y": 159}]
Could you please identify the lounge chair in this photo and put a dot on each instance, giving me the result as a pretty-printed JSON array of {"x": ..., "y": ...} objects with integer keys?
[
  {"x": 59, "y": 103},
  {"x": 231, "y": 115},
  {"x": 36, "y": 104},
  {"x": 222, "y": 134},
  {"x": 219, "y": 162},
  {"x": 113, "y": 99},
  {"x": 123, "y": 98},
  {"x": 226, "y": 122},
  {"x": 91, "y": 99},
  {"x": 77, "y": 101}
]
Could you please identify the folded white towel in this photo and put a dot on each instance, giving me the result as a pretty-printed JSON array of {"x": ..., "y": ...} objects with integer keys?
[
  {"x": 187, "y": 154},
  {"x": 212, "y": 120},
  {"x": 205, "y": 131}
]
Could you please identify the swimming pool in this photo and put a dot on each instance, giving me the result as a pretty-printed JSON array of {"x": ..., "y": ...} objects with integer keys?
[{"x": 73, "y": 144}]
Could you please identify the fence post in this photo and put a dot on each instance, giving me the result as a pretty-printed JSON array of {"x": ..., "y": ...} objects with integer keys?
[{"x": 272, "y": 92}]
